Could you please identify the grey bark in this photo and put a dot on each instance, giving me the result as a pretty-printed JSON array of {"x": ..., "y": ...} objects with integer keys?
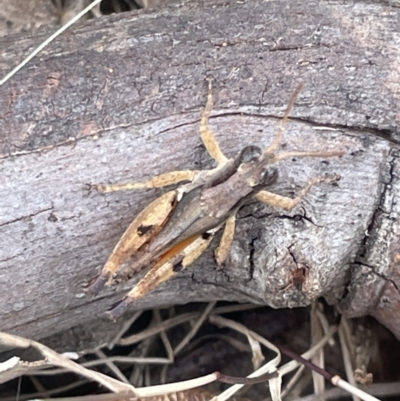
[{"x": 118, "y": 99}]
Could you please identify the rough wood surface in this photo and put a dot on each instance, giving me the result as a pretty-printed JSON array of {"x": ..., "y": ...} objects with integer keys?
[
  {"x": 119, "y": 99},
  {"x": 26, "y": 16}
]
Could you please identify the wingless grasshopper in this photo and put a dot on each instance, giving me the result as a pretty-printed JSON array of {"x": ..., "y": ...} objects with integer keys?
[{"x": 176, "y": 228}]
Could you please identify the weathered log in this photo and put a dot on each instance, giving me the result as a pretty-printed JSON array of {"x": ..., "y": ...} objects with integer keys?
[{"x": 119, "y": 98}]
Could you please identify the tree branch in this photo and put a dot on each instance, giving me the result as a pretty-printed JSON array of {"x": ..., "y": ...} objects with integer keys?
[{"x": 119, "y": 98}]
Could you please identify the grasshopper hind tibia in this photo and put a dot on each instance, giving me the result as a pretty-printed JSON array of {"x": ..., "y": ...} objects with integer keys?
[
  {"x": 119, "y": 308},
  {"x": 95, "y": 285}
]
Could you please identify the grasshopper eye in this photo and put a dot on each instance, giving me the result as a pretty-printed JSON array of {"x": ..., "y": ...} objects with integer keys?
[
  {"x": 249, "y": 154},
  {"x": 268, "y": 176}
]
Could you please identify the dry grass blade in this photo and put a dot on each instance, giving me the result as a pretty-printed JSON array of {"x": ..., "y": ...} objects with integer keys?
[
  {"x": 293, "y": 381},
  {"x": 292, "y": 365},
  {"x": 167, "y": 345},
  {"x": 124, "y": 329},
  {"x": 318, "y": 359},
  {"x": 49, "y": 40},
  {"x": 164, "y": 337},
  {"x": 175, "y": 321},
  {"x": 275, "y": 388},
  {"x": 48, "y": 393},
  {"x": 376, "y": 389},
  {"x": 129, "y": 360},
  {"x": 56, "y": 359},
  {"x": 325, "y": 326},
  {"x": 195, "y": 328},
  {"x": 102, "y": 356},
  {"x": 38, "y": 386},
  {"x": 221, "y": 321},
  {"x": 163, "y": 389},
  {"x": 152, "y": 331},
  {"x": 346, "y": 356},
  {"x": 267, "y": 368},
  {"x": 237, "y": 344},
  {"x": 192, "y": 395},
  {"x": 258, "y": 356},
  {"x": 335, "y": 380},
  {"x": 14, "y": 367}
]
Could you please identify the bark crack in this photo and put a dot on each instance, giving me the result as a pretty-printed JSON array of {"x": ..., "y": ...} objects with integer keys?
[
  {"x": 379, "y": 210},
  {"x": 27, "y": 216},
  {"x": 253, "y": 239},
  {"x": 386, "y": 134},
  {"x": 374, "y": 272}
]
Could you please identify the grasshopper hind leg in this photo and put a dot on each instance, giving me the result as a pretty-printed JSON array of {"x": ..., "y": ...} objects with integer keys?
[
  {"x": 172, "y": 262},
  {"x": 95, "y": 284},
  {"x": 146, "y": 225}
]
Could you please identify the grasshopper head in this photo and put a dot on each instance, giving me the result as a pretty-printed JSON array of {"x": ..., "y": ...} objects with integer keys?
[{"x": 255, "y": 166}]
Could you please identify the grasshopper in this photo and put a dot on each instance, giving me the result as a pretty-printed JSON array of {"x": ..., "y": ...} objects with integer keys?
[{"x": 176, "y": 228}]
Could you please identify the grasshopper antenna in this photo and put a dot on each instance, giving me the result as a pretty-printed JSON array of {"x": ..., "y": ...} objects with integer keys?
[
  {"x": 282, "y": 124},
  {"x": 272, "y": 148}
]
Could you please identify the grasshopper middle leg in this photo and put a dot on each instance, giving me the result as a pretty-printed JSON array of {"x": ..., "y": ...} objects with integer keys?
[{"x": 224, "y": 246}]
